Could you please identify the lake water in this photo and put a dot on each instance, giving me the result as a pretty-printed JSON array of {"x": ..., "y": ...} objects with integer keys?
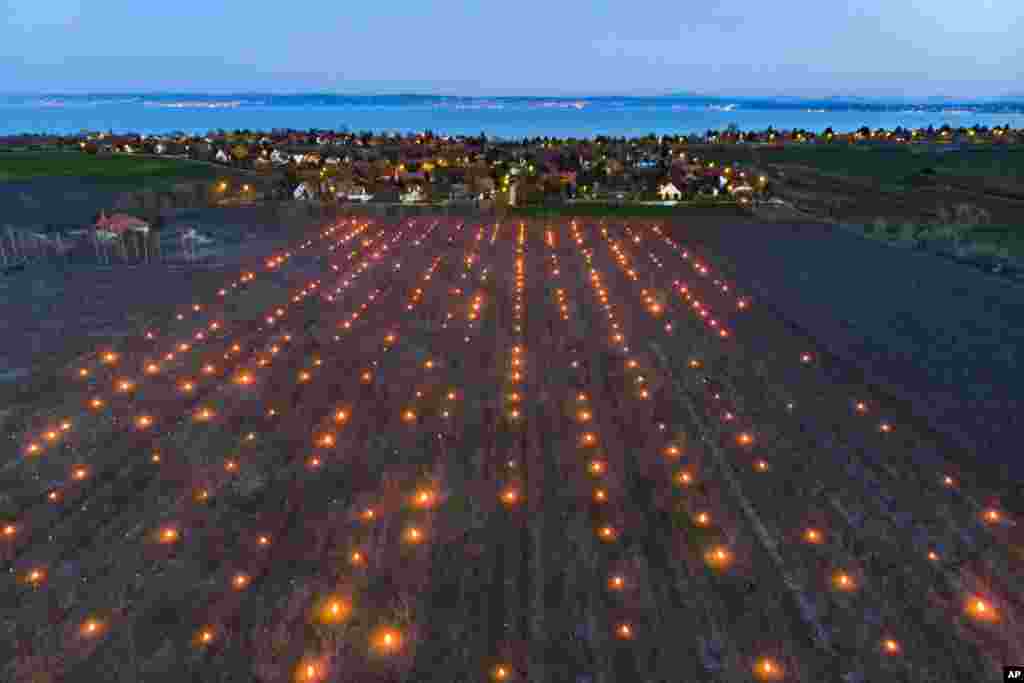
[{"x": 498, "y": 117}]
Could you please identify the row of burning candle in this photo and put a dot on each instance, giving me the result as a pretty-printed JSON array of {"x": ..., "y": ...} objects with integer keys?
[
  {"x": 989, "y": 515},
  {"x": 719, "y": 557},
  {"x": 385, "y": 639},
  {"x": 975, "y": 606},
  {"x": 110, "y": 358},
  {"x": 145, "y": 421}
]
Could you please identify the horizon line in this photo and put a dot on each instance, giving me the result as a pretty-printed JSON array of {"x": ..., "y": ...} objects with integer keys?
[{"x": 681, "y": 94}]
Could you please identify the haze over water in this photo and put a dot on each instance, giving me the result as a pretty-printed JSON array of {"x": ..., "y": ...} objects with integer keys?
[{"x": 507, "y": 117}]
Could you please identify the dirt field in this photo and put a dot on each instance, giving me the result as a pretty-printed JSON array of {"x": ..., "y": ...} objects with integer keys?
[{"x": 445, "y": 450}]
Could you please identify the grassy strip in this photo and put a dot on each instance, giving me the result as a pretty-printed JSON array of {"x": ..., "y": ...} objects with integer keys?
[
  {"x": 1004, "y": 241},
  {"x": 22, "y": 166},
  {"x": 887, "y": 165}
]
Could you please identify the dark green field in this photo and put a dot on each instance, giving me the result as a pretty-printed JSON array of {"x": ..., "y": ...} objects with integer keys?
[
  {"x": 628, "y": 210},
  {"x": 885, "y": 165},
  {"x": 122, "y": 170}
]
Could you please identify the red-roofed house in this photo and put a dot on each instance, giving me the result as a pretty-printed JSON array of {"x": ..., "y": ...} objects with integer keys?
[{"x": 112, "y": 227}]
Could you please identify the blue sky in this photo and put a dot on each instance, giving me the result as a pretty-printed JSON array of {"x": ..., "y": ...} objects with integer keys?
[{"x": 488, "y": 47}]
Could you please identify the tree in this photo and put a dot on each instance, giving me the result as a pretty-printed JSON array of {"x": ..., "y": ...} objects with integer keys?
[{"x": 239, "y": 153}]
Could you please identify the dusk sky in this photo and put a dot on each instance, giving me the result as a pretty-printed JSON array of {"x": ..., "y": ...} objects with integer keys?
[{"x": 565, "y": 47}]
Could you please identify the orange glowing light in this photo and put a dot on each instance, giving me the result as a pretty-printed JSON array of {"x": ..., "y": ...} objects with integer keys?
[
  {"x": 334, "y": 611},
  {"x": 387, "y": 640},
  {"x": 33, "y": 448},
  {"x": 761, "y": 465},
  {"x": 409, "y": 415},
  {"x": 933, "y": 556},
  {"x": 91, "y": 627},
  {"x": 596, "y": 467},
  {"x": 325, "y": 440},
  {"x": 606, "y": 533},
  {"x": 588, "y": 439},
  {"x": 144, "y": 422},
  {"x": 624, "y": 631},
  {"x": 844, "y": 582},
  {"x": 204, "y": 414},
  {"x": 423, "y": 498},
  {"x": 357, "y": 558},
  {"x": 152, "y": 369},
  {"x": 718, "y": 557},
  {"x": 125, "y": 385},
  {"x": 79, "y": 473},
  {"x": 890, "y": 646},
  {"x": 263, "y": 540},
  {"x": 768, "y": 670},
  {"x": 9, "y": 530},
  {"x": 616, "y": 582},
  {"x": 205, "y": 636},
  {"x": 745, "y": 439},
  {"x": 240, "y": 581},
  {"x": 982, "y": 610},
  {"x": 813, "y": 536},
  {"x": 885, "y": 427},
  {"x": 600, "y": 496},
  {"x": 35, "y": 577},
  {"x": 413, "y": 535}
]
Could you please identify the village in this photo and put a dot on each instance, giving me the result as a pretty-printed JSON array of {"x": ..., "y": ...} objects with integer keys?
[{"x": 426, "y": 168}]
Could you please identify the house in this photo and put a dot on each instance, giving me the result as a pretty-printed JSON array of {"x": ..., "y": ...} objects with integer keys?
[
  {"x": 221, "y": 156},
  {"x": 303, "y": 191},
  {"x": 412, "y": 194},
  {"x": 160, "y": 148},
  {"x": 358, "y": 194},
  {"x": 112, "y": 227},
  {"x": 669, "y": 192},
  {"x": 278, "y": 158}
]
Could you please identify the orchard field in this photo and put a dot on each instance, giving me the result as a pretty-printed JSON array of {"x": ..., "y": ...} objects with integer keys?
[{"x": 533, "y": 450}]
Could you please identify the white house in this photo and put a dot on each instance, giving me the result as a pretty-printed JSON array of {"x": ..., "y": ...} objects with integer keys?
[
  {"x": 413, "y": 194},
  {"x": 359, "y": 194},
  {"x": 221, "y": 156},
  {"x": 278, "y": 157},
  {"x": 669, "y": 192},
  {"x": 160, "y": 148},
  {"x": 303, "y": 191},
  {"x": 298, "y": 158}
]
